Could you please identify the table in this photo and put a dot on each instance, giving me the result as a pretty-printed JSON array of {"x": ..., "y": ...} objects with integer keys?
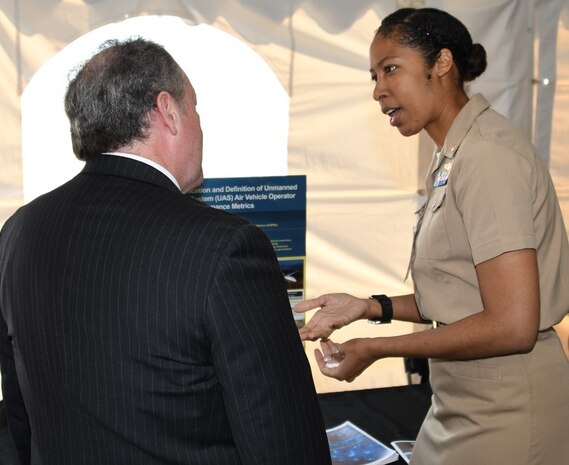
[{"x": 388, "y": 414}]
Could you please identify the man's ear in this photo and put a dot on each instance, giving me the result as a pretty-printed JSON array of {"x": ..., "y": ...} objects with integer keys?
[
  {"x": 444, "y": 63},
  {"x": 167, "y": 111}
]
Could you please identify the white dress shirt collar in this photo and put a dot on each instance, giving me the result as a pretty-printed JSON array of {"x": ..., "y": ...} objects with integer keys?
[{"x": 148, "y": 162}]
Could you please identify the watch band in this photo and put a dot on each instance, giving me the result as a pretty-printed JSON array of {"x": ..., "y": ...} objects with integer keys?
[{"x": 386, "y": 310}]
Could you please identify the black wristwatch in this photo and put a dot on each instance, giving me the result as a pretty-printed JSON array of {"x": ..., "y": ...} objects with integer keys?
[{"x": 386, "y": 310}]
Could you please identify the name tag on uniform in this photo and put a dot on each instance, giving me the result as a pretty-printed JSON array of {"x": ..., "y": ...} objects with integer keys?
[{"x": 441, "y": 177}]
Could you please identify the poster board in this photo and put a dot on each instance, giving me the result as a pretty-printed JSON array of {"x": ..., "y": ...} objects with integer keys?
[{"x": 277, "y": 205}]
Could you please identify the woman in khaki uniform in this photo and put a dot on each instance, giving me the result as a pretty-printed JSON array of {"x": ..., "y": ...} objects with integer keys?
[{"x": 490, "y": 263}]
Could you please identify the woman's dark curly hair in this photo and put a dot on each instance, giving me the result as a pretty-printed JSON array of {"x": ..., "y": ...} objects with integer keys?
[{"x": 428, "y": 30}]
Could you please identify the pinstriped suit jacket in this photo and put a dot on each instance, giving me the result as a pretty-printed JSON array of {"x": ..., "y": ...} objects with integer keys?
[{"x": 140, "y": 326}]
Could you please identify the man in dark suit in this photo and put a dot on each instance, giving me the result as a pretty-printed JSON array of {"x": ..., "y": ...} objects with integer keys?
[{"x": 139, "y": 326}]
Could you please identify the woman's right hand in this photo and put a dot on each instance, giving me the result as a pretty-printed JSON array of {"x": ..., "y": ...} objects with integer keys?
[
  {"x": 336, "y": 311},
  {"x": 344, "y": 362}
]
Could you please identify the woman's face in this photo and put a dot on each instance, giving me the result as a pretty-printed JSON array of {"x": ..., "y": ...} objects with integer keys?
[{"x": 403, "y": 86}]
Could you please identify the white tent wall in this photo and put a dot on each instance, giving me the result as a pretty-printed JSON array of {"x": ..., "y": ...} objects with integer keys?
[
  {"x": 364, "y": 179},
  {"x": 559, "y": 155}
]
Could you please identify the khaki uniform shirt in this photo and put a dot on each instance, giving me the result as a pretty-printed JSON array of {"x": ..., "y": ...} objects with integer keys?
[{"x": 488, "y": 193}]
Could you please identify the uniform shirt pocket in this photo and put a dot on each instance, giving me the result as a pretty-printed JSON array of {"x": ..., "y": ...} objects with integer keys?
[{"x": 437, "y": 241}]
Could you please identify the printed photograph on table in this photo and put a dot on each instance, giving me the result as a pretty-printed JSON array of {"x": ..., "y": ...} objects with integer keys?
[
  {"x": 350, "y": 445},
  {"x": 404, "y": 449}
]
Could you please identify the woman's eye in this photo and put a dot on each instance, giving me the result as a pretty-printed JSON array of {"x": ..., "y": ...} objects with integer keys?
[
  {"x": 374, "y": 78},
  {"x": 389, "y": 68}
]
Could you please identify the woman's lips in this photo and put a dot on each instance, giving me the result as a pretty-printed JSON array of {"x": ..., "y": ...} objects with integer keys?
[{"x": 394, "y": 116}]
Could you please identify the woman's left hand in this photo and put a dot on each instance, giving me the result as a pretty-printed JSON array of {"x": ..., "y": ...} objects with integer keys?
[{"x": 344, "y": 362}]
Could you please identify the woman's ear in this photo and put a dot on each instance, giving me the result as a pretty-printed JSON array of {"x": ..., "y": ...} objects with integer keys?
[{"x": 444, "y": 63}]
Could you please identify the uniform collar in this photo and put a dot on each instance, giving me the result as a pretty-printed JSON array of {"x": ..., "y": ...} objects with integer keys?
[
  {"x": 462, "y": 124},
  {"x": 476, "y": 105}
]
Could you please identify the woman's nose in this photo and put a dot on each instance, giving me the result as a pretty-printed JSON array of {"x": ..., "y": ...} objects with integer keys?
[{"x": 378, "y": 90}]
